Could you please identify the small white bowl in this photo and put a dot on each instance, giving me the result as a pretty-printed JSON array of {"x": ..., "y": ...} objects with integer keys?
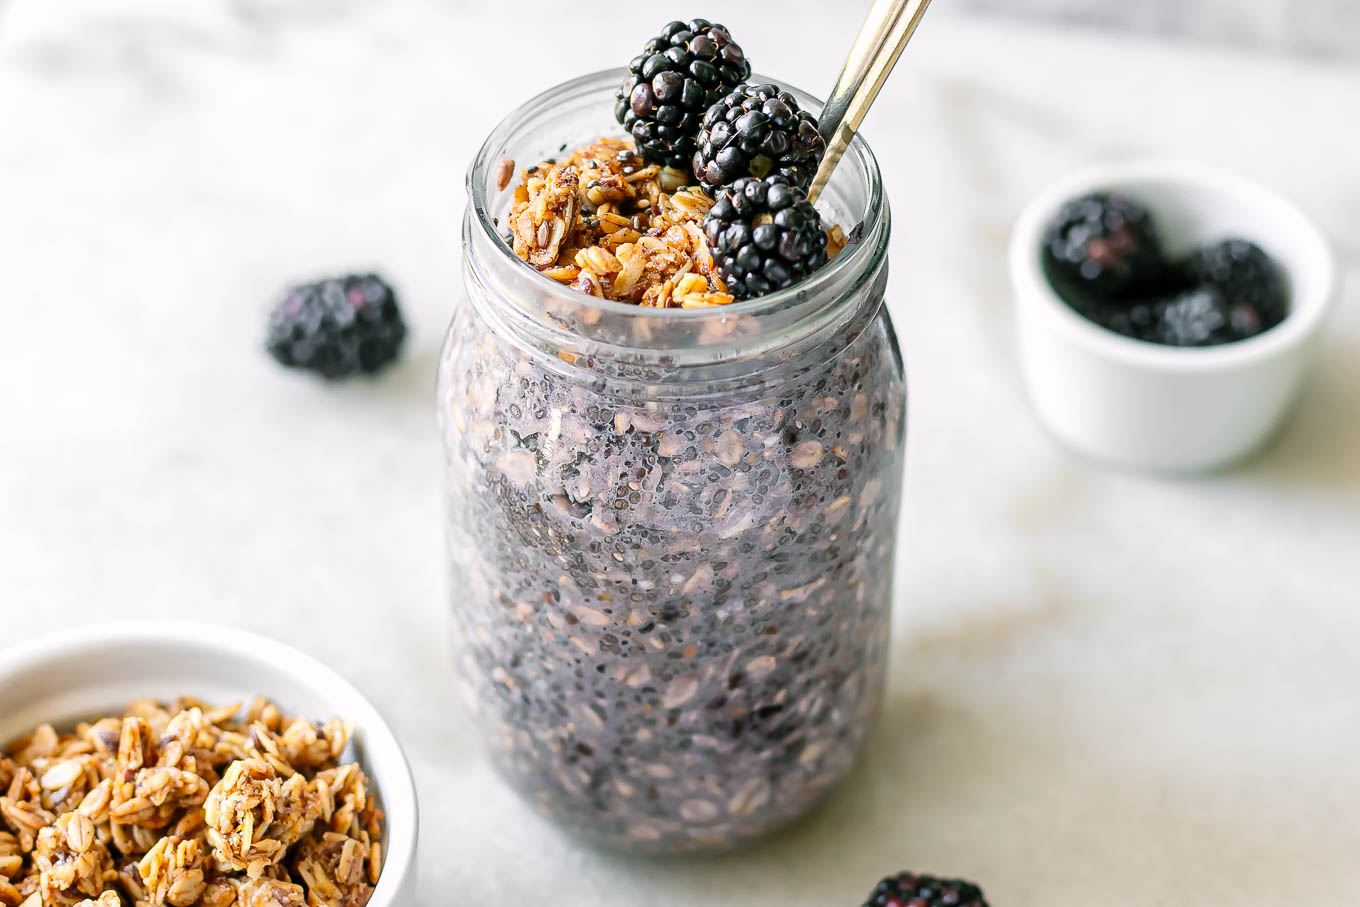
[
  {"x": 86, "y": 672},
  {"x": 1143, "y": 405}
]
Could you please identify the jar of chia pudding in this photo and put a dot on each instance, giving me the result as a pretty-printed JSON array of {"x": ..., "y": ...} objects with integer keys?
[{"x": 670, "y": 529}]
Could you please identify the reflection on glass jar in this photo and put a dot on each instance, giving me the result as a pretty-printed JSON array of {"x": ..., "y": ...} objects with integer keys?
[{"x": 670, "y": 531}]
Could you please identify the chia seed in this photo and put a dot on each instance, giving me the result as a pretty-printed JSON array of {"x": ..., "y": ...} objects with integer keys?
[{"x": 664, "y": 651}]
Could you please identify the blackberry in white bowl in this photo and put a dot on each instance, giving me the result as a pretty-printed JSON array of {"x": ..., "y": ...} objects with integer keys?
[
  {"x": 1248, "y": 280},
  {"x": 1103, "y": 254},
  {"x": 1195, "y": 369},
  {"x": 1103, "y": 246}
]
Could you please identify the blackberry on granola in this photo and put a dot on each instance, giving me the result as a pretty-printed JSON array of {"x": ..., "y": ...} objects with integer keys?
[{"x": 628, "y": 222}]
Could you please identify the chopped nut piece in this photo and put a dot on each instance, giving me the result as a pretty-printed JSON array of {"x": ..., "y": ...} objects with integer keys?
[
  {"x": 70, "y": 860},
  {"x": 254, "y": 816},
  {"x": 505, "y": 168},
  {"x": 334, "y": 870},
  {"x": 11, "y": 857},
  {"x": 542, "y": 221},
  {"x": 835, "y": 241},
  {"x": 107, "y": 899},
  {"x": 172, "y": 871}
]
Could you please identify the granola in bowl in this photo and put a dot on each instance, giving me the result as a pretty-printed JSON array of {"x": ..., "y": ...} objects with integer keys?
[{"x": 187, "y": 804}]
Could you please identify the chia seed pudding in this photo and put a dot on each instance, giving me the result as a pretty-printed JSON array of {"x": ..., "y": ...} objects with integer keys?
[{"x": 670, "y": 527}]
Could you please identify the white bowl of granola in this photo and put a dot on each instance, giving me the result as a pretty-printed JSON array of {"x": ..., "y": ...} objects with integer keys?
[{"x": 157, "y": 762}]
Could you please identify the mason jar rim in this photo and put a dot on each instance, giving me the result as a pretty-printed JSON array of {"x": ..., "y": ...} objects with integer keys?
[{"x": 859, "y": 255}]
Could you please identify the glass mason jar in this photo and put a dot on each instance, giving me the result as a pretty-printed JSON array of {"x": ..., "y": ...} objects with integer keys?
[{"x": 670, "y": 531}]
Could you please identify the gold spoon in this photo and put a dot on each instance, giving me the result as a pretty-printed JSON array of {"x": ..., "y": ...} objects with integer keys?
[{"x": 885, "y": 32}]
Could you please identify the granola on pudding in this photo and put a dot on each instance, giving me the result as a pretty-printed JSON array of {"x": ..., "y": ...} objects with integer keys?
[
  {"x": 605, "y": 222},
  {"x": 185, "y": 805}
]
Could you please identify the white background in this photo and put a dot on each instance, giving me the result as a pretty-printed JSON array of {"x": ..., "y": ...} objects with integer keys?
[
  {"x": 1328, "y": 27},
  {"x": 1107, "y": 688}
]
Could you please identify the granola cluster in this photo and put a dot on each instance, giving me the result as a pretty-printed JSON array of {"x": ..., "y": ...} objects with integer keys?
[
  {"x": 607, "y": 223},
  {"x": 184, "y": 805}
]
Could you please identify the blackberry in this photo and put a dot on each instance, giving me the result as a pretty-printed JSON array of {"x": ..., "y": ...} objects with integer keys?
[
  {"x": 337, "y": 327},
  {"x": 1249, "y": 281},
  {"x": 677, "y": 77},
  {"x": 1198, "y": 317},
  {"x": 1140, "y": 320},
  {"x": 755, "y": 131},
  {"x": 1103, "y": 246},
  {"x": 907, "y": 889},
  {"x": 765, "y": 236}
]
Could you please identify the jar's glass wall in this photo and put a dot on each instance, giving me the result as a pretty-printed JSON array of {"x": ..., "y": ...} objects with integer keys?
[{"x": 671, "y": 585}]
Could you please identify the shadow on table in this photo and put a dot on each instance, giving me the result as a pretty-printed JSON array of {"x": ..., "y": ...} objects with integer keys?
[
  {"x": 1319, "y": 447},
  {"x": 835, "y": 854},
  {"x": 1000, "y": 788},
  {"x": 411, "y": 379},
  {"x": 865, "y": 826}
]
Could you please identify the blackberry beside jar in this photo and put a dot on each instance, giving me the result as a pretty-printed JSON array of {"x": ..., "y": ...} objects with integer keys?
[{"x": 670, "y": 531}]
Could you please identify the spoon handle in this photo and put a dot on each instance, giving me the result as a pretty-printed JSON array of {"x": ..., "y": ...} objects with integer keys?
[{"x": 885, "y": 32}]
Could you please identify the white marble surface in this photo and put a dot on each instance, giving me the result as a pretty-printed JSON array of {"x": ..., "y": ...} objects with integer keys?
[
  {"x": 1312, "y": 27},
  {"x": 1107, "y": 688}
]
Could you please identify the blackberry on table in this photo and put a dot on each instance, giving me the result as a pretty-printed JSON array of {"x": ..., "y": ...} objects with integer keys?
[
  {"x": 672, "y": 83},
  {"x": 1249, "y": 281},
  {"x": 907, "y": 889},
  {"x": 755, "y": 131},
  {"x": 337, "y": 327},
  {"x": 1103, "y": 246},
  {"x": 764, "y": 235}
]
